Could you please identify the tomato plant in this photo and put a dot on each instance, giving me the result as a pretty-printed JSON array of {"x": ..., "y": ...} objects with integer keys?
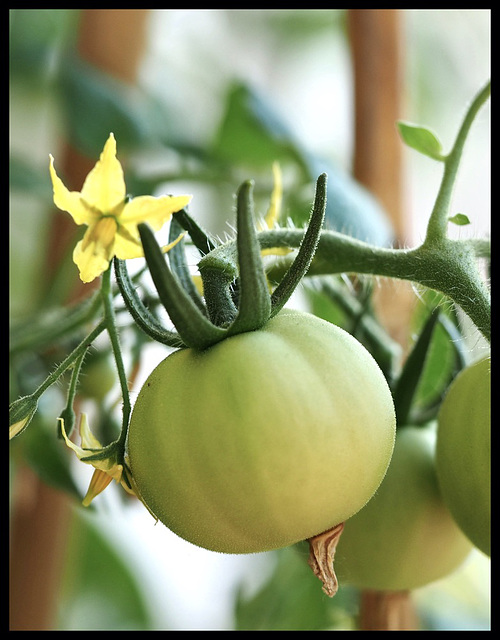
[
  {"x": 264, "y": 439},
  {"x": 463, "y": 452}
]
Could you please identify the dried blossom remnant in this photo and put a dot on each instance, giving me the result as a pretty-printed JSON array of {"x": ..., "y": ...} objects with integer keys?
[{"x": 321, "y": 555}]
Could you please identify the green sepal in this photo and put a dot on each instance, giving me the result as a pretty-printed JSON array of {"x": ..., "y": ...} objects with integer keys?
[
  {"x": 199, "y": 237},
  {"x": 194, "y": 328},
  {"x": 406, "y": 385},
  {"x": 21, "y": 412},
  {"x": 254, "y": 301},
  {"x": 139, "y": 312},
  {"x": 178, "y": 264},
  {"x": 307, "y": 249}
]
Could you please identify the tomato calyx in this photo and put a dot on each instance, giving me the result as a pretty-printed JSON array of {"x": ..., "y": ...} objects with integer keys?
[
  {"x": 236, "y": 299},
  {"x": 322, "y": 550}
]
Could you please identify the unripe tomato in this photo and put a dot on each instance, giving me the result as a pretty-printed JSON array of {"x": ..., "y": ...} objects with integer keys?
[
  {"x": 404, "y": 537},
  {"x": 98, "y": 376},
  {"x": 463, "y": 452},
  {"x": 265, "y": 439}
]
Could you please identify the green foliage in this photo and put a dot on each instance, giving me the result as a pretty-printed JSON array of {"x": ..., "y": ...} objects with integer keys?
[
  {"x": 100, "y": 590},
  {"x": 421, "y": 139},
  {"x": 96, "y": 104},
  {"x": 253, "y": 134},
  {"x": 291, "y": 600},
  {"x": 460, "y": 219}
]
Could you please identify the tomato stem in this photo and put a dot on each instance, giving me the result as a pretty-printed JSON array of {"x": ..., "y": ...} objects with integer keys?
[{"x": 110, "y": 319}]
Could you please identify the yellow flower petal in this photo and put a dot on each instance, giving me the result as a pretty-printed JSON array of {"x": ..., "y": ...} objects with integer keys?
[
  {"x": 70, "y": 201},
  {"x": 155, "y": 211},
  {"x": 92, "y": 259},
  {"x": 89, "y": 441},
  {"x": 104, "y": 188},
  {"x": 273, "y": 213},
  {"x": 99, "y": 481},
  {"x": 276, "y": 251}
]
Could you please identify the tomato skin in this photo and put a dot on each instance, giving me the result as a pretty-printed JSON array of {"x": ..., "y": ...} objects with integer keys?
[
  {"x": 265, "y": 439},
  {"x": 405, "y": 537},
  {"x": 463, "y": 452}
]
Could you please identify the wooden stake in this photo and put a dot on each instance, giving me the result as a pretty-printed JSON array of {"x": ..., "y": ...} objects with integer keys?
[
  {"x": 377, "y": 60},
  {"x": 387, "y": 611}
]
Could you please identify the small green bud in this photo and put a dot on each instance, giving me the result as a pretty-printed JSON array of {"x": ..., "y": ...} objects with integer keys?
[{"x": 21, "y": 411}]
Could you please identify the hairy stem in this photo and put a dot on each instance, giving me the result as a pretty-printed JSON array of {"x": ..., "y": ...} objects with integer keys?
[
  {"x": 109, "y": 315},
  {"x": 438, "y": 221},
  {"x": 449, "y": 267}
]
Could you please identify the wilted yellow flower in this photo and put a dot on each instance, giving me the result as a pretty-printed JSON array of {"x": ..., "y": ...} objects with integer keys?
[
  {"x": 274, "y": 210},
  {"x": 111, "y": 219},
  {"x": 106, "y": 469},
  {"x": 273, "y": 213}
]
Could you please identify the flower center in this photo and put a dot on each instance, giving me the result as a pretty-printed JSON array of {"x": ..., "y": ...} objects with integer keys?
[{"x": 102, "y": 232}]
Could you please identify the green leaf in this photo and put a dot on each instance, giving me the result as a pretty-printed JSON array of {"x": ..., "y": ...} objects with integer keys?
[
  {"x": 251, "y": 132},
  {"x": 408, "y": 381},
  {"x": 459, "y": 219},
  {"x": 421, "y": 139},
  {"x": 97, "y": 104},
  {"x": 292, "y": 600},
  {"x": 444, "y": 357},
  {"x": 99, "y": 588}
]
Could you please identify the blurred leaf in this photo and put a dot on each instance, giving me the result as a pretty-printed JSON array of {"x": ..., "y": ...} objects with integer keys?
[
  {"x": 251, "y": 132},
  {"x": 100, "y": 590},
  {"x": 35, "y": 37},
  {"x": 48, "y": 456},
  {"x": 292, "y": 600},
  {"x": 421, "y": 139},
  {"x": 24, "y": 177},
  {"x": 445, "y": 355},
  {"x": 97, "y": 104}
]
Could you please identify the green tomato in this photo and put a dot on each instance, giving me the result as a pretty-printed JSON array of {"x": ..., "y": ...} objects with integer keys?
[
  {"x": 404, "y": 537},
  {"x": 98, "y": 376},
  {"x": 265, "y": 439},
  {"x": 463, "y": 452}
]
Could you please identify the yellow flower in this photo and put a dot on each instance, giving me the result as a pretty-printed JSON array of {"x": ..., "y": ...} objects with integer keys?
[
  {"x": 274, "y": 210},
  {"x": 111, "y": 219},
  {"x": 106, "y": 469}
]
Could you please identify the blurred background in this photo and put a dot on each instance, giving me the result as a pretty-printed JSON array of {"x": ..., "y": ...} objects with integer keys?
[{"x": 200, "y": 100}]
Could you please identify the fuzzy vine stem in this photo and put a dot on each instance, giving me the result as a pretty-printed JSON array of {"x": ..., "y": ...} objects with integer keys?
[
  {"x": 439, "y": 263},
  {"x": 110, "y": 321},
  {"x": 436, "y": 227}
]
